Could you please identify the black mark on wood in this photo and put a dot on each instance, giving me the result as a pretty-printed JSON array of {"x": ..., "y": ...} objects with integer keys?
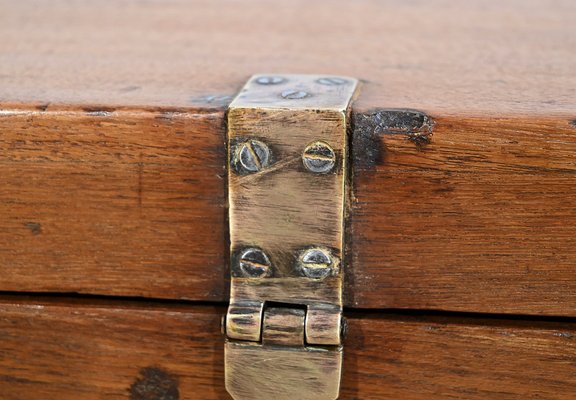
[
  {"x": 155, "y": 384},
  {"x": 34, "y": 227},
  {"x": 368, "y": 126},
  {"x": 573, "y": 123}
]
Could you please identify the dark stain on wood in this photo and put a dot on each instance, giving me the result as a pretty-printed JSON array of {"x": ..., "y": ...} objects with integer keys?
[
  {"x": 367, "y": 150},
  {"x": 34, "y": 227},
  {"x": 470, "y": 222},
  {"x": 412, "y": 123},
  {"x": 155, "y": 384},
  {"x": 573, "y": 123}
]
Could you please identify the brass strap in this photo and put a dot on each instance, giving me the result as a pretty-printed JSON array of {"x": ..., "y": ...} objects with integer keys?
[{"x": 288, "y": 153}]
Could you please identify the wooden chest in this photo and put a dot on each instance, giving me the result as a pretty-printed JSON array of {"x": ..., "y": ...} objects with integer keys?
[{"x": 459, "y": 248}]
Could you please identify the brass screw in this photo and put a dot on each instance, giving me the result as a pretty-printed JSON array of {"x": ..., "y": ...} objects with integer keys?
[
  {"x": 270, "y": 80},
  {"x": 316, "y": 263},
  {"x": 293, "y": 94},
  {"x": 319, "y": 158},
  {"x": 253, "y": 156},
  {"x": 254, "y": 263},
  {"x": 332, "y": 81}
]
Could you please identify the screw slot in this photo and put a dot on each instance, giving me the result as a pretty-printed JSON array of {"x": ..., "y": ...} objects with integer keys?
[
  {"x": 254, "y": 263},
  {"x": 319, "y": 158},
  {"x": 316, "y": 263},
  {"x": 293, "y": 94},
  {"x": 270, "y": 80},
  {"x": 332, "y": 81}
]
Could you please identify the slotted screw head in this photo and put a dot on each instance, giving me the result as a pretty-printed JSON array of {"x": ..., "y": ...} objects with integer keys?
[
  {"x": 253, "y": 156},
  {"x": 270, "y": 80},
  {"x": 293, "y": 94},
  {"x": 254, "y": 263},
  {"x": 319, "y": 158},
  {"x": 332, "y": 81},
  {"x": 316, "y": 263}
]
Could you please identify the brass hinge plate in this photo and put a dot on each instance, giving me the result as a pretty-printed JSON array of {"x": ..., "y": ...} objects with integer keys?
[{"x": 288, "y": 153}]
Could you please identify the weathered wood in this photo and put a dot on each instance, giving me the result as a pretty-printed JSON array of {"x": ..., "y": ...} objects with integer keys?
[
  {"x": 104, "y": 350},
  {"x": 112, "y": 146},
  {"x": 132, "y": 203},
  {"x": 482, "y": 218},
  {"x": 506, "y": 57},
  {"x": 126, "y": 203}
]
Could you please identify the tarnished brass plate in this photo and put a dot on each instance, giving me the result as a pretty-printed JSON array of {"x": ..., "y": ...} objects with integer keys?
[
  {"x": 288, "y": 153},
  {"x": 254, "y": 372}
]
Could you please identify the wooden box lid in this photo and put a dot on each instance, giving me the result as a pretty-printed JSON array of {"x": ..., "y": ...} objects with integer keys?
[
  {"x": 112, "y": 146},
  {"x": 113, "y": 183}
]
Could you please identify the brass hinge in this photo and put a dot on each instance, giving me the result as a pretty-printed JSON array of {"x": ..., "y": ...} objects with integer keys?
[{"x": 288, "y": 153}]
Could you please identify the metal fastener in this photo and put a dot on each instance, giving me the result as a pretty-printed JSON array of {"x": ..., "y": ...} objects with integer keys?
[
  {"x": 252, "y": 156},
  {"x": 319, "y": 158},
  {"x": 332, "y": 81},
  {"x": 293, "y": 94},
  {"x": 254, "y": 263},
  {"x": 270, "y": 80},
  {"x": 316, "y": 263}
]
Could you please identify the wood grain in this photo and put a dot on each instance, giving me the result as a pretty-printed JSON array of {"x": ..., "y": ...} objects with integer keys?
[
  {"x": 120, "y": 202},
  {"x": 132, "y": 203},
  {"x": 112, "y": 145},
  {"x": 513, "y": 57},
  {"x": 482, "y": 218},
  {"x": 104, "y": 350}
]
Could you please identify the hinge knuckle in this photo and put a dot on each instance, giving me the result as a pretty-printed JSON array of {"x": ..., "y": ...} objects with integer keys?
[
  {"x": 323, "y": 326},
  {"x": 244, "y": 321}
]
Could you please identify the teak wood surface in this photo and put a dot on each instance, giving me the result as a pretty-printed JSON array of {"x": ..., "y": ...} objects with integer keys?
[
  {"x": 117, "y": 351},
  {"x": 113, "y": 183},
  {"x": 112, "y": 146}
]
